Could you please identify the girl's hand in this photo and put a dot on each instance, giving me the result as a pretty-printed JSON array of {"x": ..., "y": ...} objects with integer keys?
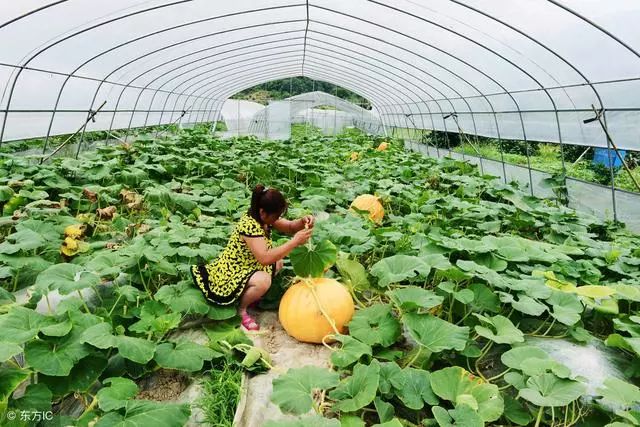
[
  {"x": 302, "y": 236},
  {"x": 279, "y": 265},
  {"x": 308, "y": 221}
]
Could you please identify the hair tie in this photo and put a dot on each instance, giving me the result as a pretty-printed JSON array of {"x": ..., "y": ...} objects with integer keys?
[{"x": 264, "y": 190}]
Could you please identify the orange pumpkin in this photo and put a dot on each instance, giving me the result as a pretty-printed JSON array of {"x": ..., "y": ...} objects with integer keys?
[
  {"x": 383, "y": 146},
  {"x": 370, "y": 203},
  {"x": 313, "y": 308}
]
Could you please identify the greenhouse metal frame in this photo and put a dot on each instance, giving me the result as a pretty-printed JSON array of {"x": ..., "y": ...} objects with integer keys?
[{"x": 527, "y": 71}]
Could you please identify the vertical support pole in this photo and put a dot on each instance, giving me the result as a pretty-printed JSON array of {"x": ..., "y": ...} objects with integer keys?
[
  {"x": 504, "y": 168},
  {"x": 335, "y": 110},
  {"x": 529, "y": 165}
]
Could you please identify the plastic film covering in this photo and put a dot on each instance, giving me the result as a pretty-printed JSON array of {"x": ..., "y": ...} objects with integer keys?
[
  {"x": 516, "y": 69},
  {"x": 237, "y": 115},
  {"x": 302, "y": 110},
  {"x": 593, "y": 199}
]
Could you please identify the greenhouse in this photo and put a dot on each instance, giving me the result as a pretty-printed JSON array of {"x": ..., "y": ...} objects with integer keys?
[{"x": 320, "y": 213}]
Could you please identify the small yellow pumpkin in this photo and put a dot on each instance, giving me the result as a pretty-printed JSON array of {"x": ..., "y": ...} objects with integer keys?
[
  {"x": 383, "y": 146},
  {"x": 75, "y": 231},
  {"x": 369, "y": 202},
  {"x": 307, "y": 306},
  {"x": 354, "y": 156}
]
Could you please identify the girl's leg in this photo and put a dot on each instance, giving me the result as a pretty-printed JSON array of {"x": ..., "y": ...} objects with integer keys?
[{"x": 257, "y": 286}]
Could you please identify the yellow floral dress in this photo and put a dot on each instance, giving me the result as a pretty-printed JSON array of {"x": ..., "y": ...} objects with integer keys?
[{"x": 223, "y": 279}]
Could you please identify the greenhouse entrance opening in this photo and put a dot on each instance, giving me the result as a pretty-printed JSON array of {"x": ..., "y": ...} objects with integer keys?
[{"x": 323, "y": 112}]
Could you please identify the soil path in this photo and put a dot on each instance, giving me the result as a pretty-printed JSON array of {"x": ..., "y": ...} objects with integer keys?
[{"x": 255, "y": 407}]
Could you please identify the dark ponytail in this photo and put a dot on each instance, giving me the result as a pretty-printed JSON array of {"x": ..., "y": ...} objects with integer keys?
[{"x": 270, "y": 200}]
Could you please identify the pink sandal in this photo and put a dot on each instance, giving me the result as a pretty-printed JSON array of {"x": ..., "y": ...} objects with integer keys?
[{"x": 249, "y": 323}]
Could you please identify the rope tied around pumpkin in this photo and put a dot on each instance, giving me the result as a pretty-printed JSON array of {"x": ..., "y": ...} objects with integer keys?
[{"x": 309, "y": 283}]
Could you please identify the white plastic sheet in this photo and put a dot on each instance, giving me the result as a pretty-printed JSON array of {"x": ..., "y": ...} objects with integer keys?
[{"x": 509, "y": 68}]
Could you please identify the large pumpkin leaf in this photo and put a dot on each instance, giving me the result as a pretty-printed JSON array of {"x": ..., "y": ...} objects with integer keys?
[
  {"x": 312, "y": 261},
  {"x": 385, "y": 410},
  {"x": 82, "y": 376},
  {"x": 182, "y": 298},
  {"x": 21, "y": 325},
  {"x": 353, "y": 273},
  {"x": 115, "y": 393},
  {"x": 517, "y": 355},
  {"x": 23, "y": 240},
  {"x": 10, "y": 379},
  {"x": 398, "y": 268},
  {"x": 138, "y": 350},
  {"x": 616, "y": 391},
  {"x": 500, "y": 330},
  {"x": 37, "y": 397},
  {"x": 375, "y": 325},
  {"x": 351, "y": 351},
  {"x": 293, "y": 391},
  {"x": 388, "y": 371},
  {"x": 185, "y": 356},
  {"x": 309, "y": 421},
  {"x": 461, "y": 416},
  {"x": 8, "y": 350},
  {"x": 55, "y": 357},
  {"x": 66, "y": 278},
  {"x": 358, "y": 390},
  {"x": 567, "y": 308},
  {"x": 413, "y": 388},
  {"x": 435, "y": 334},
  {"x": 549, "y": 390},
  {"x": 462, "y": 388},
  {"x": 411, "y": 298},
  {"x": 144, "y": 413}
]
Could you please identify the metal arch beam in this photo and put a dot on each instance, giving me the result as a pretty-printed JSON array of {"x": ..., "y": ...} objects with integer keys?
[
  {"x": 329, "y": 50},
  {"x": 604, "y": 115},
  {"x": 113, "y": 48},
  {"x": 232, "y": 87},
  {"x": 244, "y": 83},
  {"x": 130, "y": 83},
  {"x": 188, "y": 41},
  {"x": 188, "y": 96},
  {"x": 358, "y": 84},
  {"x": 404, "y": 105},
  {"x": 448, "y": 54},
  {"x": 195, "y": 21},
  {"x": 276, "y": 55},
  {"x": 390, "y": 72},
  {"x": 396, "y": 67},
  {"x": 31, "y": 12},
  {"x": 204, "y": 85},
  {"x": 205, "y": 94},
  {"x": 450, "y": 71},
  {"x": 14, "y": 82},
  {"x": 322, "y": 77},
  {"x": 217, "y": 80},
  {"x": 497, "y": 129},
  {"x": 172, "y": 79},
  {"x": 57, "y": 42},
  {"x": 155, "y": 91},
  {"x": 593, "y": 24},
  {"x": 447, "y": 70},
  {"x": 159, "y": 89},
  {"x": 181, "y": 25}
]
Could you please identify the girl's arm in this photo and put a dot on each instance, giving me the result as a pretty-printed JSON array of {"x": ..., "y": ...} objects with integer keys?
[
  {"x": 290, "y": 227},
  {"x": 266, "y": 256}
]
